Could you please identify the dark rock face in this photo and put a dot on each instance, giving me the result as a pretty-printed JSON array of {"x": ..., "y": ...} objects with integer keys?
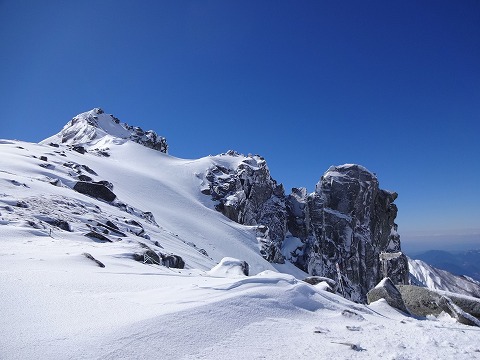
[
  {"x": 387, "y": 290},
  {"x": 249, "y": 195},
  {"x": 148, "y": 138},
  {"x": 97, "y": 191},
  {"x": 347, "y": 221}
]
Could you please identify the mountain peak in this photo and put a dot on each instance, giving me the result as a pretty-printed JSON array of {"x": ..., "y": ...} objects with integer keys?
[{"x": 89, "y": 128}]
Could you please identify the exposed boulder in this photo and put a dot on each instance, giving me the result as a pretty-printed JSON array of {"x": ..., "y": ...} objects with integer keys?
[
  {"x": 152, "y": 257},
  {"x": 422, "y": 302},
  {"x": 315, "y": 280},
  {"x": 79, "y": 149},
  {"x": 173, "y": 261},
  {"x": 98, "y": 191},
  {"x": 61, "y": 224},
  {"x": 387, "y": 290},
  {"x": 96, "y": 235},
  {"x": 455, "y": 311}
]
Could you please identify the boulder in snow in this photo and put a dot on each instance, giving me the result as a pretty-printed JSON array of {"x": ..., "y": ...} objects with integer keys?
[
  {"x": 455, "y": 311},
  {"x": 388, "y": 291},
  {"x": 422, "y": 301},
  {"x": 98, "y": 191}
]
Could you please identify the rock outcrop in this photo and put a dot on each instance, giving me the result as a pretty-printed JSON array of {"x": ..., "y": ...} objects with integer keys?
[
  {"x": 98, "y": 191},
  {"x": 422, "y": 301},
  {"x": 348, "y": 221},
  {"x": 248, "y": 195}
]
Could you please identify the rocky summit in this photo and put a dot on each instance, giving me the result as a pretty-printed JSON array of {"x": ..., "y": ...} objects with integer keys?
[{"x": 95, "y": 129}]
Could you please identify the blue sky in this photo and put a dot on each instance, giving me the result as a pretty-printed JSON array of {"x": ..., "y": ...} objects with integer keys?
[{"x": 394, "y": 86}]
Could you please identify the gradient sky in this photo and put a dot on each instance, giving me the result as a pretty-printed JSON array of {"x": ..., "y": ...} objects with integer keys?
[{"x": 391, "y": 85}]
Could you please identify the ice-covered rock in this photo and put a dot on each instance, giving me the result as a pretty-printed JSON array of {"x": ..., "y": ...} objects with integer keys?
[
  {"x": 96, "y": 128},
  {"x": 455, "y": 311}
]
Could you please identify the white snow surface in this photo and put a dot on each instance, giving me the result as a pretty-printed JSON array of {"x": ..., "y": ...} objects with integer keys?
[{"x": 56, "y": 303}]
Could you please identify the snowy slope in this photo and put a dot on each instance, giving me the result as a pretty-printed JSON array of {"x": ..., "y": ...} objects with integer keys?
[
  {"x": 146, "y": 180},
  {"x": 423, "y": 274},
  {"x": 57, "y": 303}
]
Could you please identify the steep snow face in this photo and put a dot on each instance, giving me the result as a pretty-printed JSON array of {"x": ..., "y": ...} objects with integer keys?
[
  {"x": 96, "y": 129},
  {"x": 422, "y": 274},
  {"x": 348, "y": 221}
]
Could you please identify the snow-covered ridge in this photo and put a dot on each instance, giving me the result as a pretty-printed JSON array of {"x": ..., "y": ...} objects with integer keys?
[
  {"x": 96, "y": 129},
  {"x": 422, "y": 274}
]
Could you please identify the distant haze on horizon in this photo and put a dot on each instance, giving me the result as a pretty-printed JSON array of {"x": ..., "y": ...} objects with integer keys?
[{"x": 393, "y": 86}]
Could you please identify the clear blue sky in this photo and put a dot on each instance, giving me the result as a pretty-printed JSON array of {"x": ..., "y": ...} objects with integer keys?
[{"x": 391, "y": 85}]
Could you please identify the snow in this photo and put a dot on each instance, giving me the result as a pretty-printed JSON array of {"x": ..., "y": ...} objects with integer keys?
[
  {"x": 57, "y": 303},
  {"x": 228, "y": 267},
  {"x": 440, "y": 280}
]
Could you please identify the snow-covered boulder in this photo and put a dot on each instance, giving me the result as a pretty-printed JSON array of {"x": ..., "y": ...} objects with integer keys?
[
  {"x": 230, "y": 267},
  {"x": 387, "y": 290},
  {"x": 95, "y": 128}
]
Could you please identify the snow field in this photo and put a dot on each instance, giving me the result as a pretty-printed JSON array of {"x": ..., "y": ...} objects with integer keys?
[{"x": 57, "y": 303}]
